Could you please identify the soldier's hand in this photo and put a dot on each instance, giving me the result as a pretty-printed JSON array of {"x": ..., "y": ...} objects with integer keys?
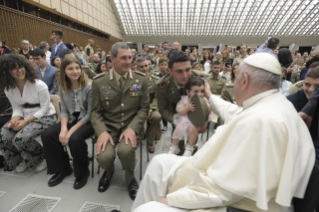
[
  {"x": 208, "y": 93},
  {"x": 129, "y": 134},
  {"x": 102, "y": 142}
]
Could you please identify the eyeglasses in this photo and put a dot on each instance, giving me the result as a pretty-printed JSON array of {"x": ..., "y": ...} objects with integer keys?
[{"x": 14, "y": 71}]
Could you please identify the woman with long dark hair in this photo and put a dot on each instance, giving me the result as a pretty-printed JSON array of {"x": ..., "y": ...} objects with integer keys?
[
  {"x": 32, "y": 114},
  {"x": 285, "y": 60}
]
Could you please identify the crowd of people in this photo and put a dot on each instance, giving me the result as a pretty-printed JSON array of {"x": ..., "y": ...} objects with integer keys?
[{"x": 113, "y": 96}]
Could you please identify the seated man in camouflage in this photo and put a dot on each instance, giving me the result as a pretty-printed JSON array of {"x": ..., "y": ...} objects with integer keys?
[{"x": 95, "y": 63}]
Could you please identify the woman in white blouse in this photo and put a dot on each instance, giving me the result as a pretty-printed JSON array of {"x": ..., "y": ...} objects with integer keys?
[
  {"x": 75, "y": 126},
  {"x": 32, "y": 114}
]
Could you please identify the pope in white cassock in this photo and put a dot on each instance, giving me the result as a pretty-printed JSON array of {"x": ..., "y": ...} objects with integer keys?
[{"x": 258, "y": 160}]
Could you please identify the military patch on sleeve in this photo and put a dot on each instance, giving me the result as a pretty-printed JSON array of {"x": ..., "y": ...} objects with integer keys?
[{"x": 161, "y": 85}]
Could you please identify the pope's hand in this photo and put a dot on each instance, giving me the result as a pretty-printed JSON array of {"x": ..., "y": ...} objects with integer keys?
[
  {"x": 164, "y": 201},
  {"x": 208, "y": 93}
]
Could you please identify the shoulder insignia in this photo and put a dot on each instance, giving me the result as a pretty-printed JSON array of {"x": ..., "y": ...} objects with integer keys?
[
  {"x": 140, "y": 73},
  {"x": 98, "y": 76},
  {"x": 162, "y": 85}
]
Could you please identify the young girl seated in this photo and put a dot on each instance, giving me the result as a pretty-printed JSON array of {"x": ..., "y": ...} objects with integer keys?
[{"x": 183, "y": 125}]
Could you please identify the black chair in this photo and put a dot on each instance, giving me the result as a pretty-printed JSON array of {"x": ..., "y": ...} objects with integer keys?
[{"x": 311, "y": 199}]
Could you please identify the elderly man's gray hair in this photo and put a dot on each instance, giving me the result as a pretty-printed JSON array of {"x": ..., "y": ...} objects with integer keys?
[
  {"x": 43, "y": 44},
  {"x": 259, "y": 77},
  {"x": 116, "y": 46},
  {"x": 139, "y": 60}
]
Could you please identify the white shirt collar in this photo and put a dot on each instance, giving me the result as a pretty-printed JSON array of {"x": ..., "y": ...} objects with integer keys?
[{"x": 252, "y": 100}]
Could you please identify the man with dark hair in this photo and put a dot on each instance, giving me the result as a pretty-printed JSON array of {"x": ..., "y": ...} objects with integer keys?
[
  {"x": 216, "y": 81},
  {"x": 59, "y": 46},
  {"x": 165, "y": 48},
  {"x": 120, "y": 106},
  {"x": 299, "y": 85},
  {"x": 171, "y": 87},
  {"x": 154, "y": 117},
  {"x": 46, "y": 71},
  {"x": 95, "y": 63},
  {"x": 269, "y": 46}
]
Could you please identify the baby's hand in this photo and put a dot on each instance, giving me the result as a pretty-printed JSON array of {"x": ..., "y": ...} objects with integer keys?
[{"x": 191, "y": 107}]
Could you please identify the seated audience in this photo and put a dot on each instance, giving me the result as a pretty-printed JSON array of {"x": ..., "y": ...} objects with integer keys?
[
  {"x": 269, "y": 46},
  {"x": 285, "y": 85},
  {"x": 32, "y": 61},
  {"x": 225, "y": 73},
  {"x": 32, "y": 114},
  {"x": 206, "y": 62},
  {"x": 73, "y": 129},
  {"x": 45, "y": 47},
  {"x": 217, "y": 57},
  {"x": 3, "y": 48},
  {"x": 183, "y": 126},
  {"x": 95, "y": 62},
  {"x": 154, "y": 117},
  {"x": 237, "y": 54},
  {"x": 233, "y": 169},
  {"x": 299, "y": 85},
  {"x": 242, "y": 56},
  {"x": 285, "y": 60},
  {"x": 133, "y": 66},
  {"x": 109, "y": 63},
  {"x": 162, "y": 66},
  {"x": 101, "y": 68},
  {"x": 197, "y": 66},
  {"x": 69, "y": 53},
  {"x": 215, "y": 81},
  {"x": 25, "y": 50},
  {"x": 228, "y": 92},
  {"x": 56, "y": 62},
  {"x": 46, "y": 71}
]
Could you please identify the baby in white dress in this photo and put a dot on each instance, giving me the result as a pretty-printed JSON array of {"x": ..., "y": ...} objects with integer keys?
[{"x": 183, "y": 126}]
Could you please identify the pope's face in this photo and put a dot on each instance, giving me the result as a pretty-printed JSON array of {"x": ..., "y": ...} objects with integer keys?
[{"x": 238, "y": 87}]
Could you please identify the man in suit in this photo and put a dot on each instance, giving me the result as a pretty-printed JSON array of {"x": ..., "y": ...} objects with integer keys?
[
  {"x": 59, "y": 46},
  {"x": 120, "y": 105},
  {"x": 46, "y": 71},
  {"x": 175, "y": 48}
]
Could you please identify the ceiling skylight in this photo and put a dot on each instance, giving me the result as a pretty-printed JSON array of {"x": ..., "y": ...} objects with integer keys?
[{"x": 219, "y": 17}]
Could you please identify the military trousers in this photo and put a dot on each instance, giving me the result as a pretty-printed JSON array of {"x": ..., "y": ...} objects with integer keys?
[
  {"x": 126, "y": 154},
  {"x": 153, "y": 125}
]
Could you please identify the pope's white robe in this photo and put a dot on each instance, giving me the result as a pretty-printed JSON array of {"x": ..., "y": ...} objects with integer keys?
[{"x": 258, "y": 160}]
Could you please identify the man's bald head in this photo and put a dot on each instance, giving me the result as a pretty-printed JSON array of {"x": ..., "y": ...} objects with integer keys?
[{"x": 176, "y": 46}]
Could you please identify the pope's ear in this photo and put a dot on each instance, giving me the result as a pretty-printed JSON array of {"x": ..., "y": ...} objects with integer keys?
[{"x": 246, "y": 81}]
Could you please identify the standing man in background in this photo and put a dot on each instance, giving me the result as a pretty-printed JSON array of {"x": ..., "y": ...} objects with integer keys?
[
  {"x": 89, "y": 51},
  {"x": 59, "y": 46}
]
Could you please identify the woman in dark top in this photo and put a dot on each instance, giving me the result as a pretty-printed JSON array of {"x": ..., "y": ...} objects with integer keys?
[{"x": 285, "y": 59}]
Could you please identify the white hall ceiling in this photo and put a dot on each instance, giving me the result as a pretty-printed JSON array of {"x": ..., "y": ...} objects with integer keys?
[{"x": 234, "y": 18}]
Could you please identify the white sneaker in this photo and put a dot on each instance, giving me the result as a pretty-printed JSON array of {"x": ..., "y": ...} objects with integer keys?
[
  {"x": 41, "y": 166},
  {"x": 21, "y": 167},
  {"x": 188, "y": 151},
  {"x": 172, "y": 149}
]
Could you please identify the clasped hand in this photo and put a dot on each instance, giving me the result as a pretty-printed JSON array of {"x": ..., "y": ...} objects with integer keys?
[{"x": 17, "y": 125}]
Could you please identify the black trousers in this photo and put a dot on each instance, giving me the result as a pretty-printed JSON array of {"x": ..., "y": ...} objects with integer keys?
[{"x": 57, "y": 158}]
